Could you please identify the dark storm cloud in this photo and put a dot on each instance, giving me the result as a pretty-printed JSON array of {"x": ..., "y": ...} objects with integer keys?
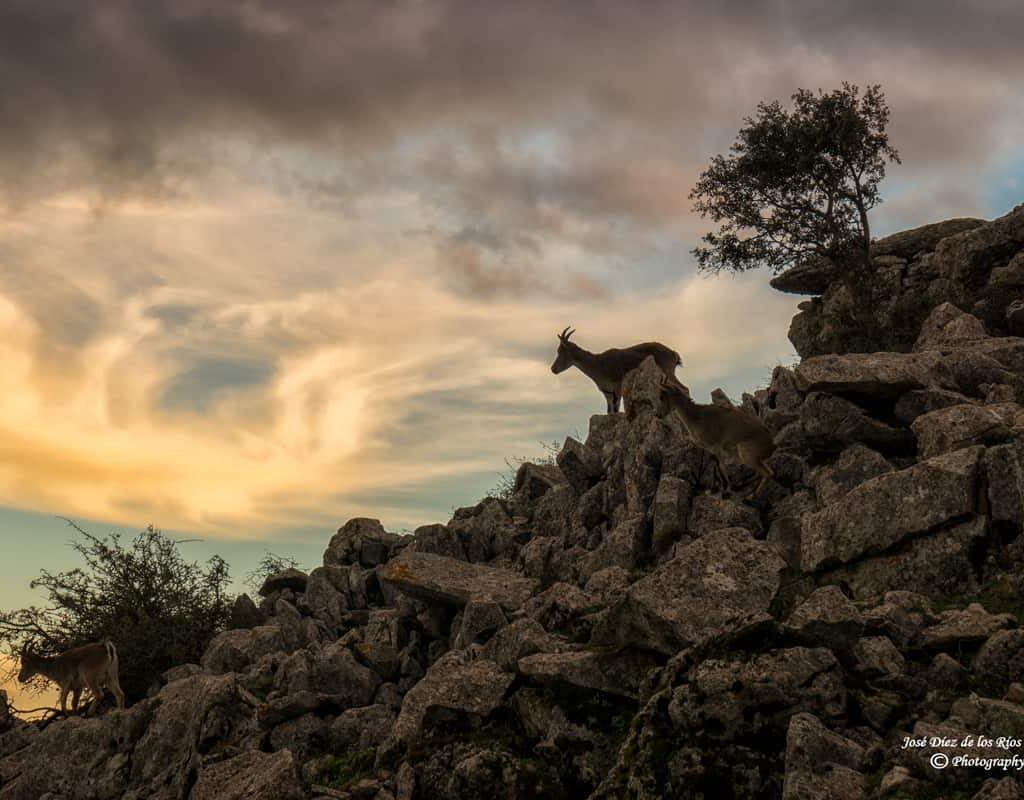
[{"x": 134, "y": 97}]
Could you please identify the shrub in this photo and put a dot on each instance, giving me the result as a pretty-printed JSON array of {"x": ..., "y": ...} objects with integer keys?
[{"x": 159, "y": 609}]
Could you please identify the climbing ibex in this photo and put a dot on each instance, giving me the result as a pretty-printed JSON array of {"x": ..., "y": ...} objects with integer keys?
[
  {"x": 727, "y": 433},
  {"x": 607, "y": 369},
  {"x": 91, "y": 666}
]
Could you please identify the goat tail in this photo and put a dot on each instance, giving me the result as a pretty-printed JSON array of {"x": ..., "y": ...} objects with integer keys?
[{"x": 111, "y": 652}]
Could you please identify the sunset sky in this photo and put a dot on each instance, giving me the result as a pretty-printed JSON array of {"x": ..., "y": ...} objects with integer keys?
[{"x": 266, "y": 266}]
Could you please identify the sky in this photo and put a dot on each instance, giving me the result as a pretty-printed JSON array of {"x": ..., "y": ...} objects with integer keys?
[{"x": 265, "y": 267}]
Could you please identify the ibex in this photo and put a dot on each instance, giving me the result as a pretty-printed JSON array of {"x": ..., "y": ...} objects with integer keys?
[
  {"x": 727, "y": 433},
  {"x": 91, "y": 666},
  {"x": 607, "y": 369}
]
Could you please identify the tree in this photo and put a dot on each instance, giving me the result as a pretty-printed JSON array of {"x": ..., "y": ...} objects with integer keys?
[
  {"x": 159, "y": 609},
  {"x": 797, "y": 185}
]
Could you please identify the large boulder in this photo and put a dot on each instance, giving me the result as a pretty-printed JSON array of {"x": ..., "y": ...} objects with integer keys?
[
  {"x": 720, "y": 584},
  {"x": 621, "y": 673},
  {"x": 886, "y": 510},
  {"x": 812, "y": 276},
  {"x": 87, "y": 758},
  {"x": 964, "y": 626},
  {"x": 948, "y": 327},
  {"x": 1004, "y": 470},
  {"x": 362, "y": 541},
  {"x": 455, "y": 684},
  {"x": 830, "y": 423},
  {"x": 290, "y": 578},
  {"x": 909, "y": 243},
  {"x": 253, "y": 775},
  {"x": 1000, "y": 662},
  {"x": 827, "y": 617},
  {"x": 873, "y": 374},
  {"x": 188, "y": 718},
  {"x": 855, "y": 465},
  {"x": 821, "y": 764},
  {"x": 236, "y": 650},
  {"x": 485, "y": 531},
  {"x": 438, "y": 579},
  {"x": 730, "y": 699},
  {"x": 961, "y": 426},
  {"x": 937, "y": 565},
  {"x": 966, "y": 263}
]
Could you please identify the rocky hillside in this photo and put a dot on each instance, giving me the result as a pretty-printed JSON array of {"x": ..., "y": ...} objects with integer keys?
[
  {"x": 976, "y": 265},
  {"x": 617, "y": 628}
]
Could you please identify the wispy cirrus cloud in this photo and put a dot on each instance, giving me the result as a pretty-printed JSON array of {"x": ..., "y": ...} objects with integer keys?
[{"x": 265, "y": 265}]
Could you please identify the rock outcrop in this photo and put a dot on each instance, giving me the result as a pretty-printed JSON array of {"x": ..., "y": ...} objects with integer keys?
[
  {"x": 976, "y": 266},
  {"x": 616, "y": 628}
]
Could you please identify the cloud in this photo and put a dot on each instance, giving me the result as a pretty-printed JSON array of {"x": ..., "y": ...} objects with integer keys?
[
  {"x": 140, "y": 98},
  {"x": 243, "y": 402},
  {"x": 269, "y": 264}
]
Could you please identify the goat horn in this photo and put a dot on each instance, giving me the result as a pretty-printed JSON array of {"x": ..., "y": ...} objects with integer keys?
[{"x": 563, "y": 335}]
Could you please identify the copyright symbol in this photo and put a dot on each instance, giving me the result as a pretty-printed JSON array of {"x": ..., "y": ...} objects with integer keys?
[{"x": 939, "y": 760}]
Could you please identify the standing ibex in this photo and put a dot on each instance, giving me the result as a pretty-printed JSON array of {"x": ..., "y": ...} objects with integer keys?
[
  {"x": 91, "y": 666},
  {"x": 607, "y": 369},
  {"x": 726, "y": 433}
]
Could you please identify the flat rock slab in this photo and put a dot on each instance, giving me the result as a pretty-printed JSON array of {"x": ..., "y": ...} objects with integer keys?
[
  {"x": 828, "y": 617},
  {"x": 869, "y": 373},
  {"x": 886, "y": 510},
  {"x": 720, "y": 584},
  {"x": 620, "y": 673},
  {"x": 439, "y": 579},
  {"x": 971, "y": 624},
  {"x": 254, "y": 775},
  {"x": 473, "y": 687},
  {"x": 956, "y": 427}
]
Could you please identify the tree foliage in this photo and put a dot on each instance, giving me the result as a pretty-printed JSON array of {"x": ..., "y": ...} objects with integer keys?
[
  {"x": 797, "y": 184},
  {"x": 159, "y": 609},
  {"x": 270, "y": 564}
]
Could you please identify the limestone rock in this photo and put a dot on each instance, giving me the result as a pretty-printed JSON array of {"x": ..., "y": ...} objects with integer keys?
[
  {"x": 937, "y": 565},
  {"x": 876, "y": 374},
  {"x": 731, "y": 699},
  {"x": 480, "y": 619},
  {"x": 475, "y": 687},
  {"x": 234, "y": 650},
  {"x": 820, "y": 764},
  {"x": 522, "y": 638},
  {"x": 827, "y": 617},
  {"x": 534, "y": 480},
  {"x": 996, "y": 789},
  {"x": 711, "y": 513},
  {"x": 1004, "y": 470},
  {"x": 960, "y": 426},
  {"x": 721, "y": 583},
  {"x": 916, "y": 402},
  {"x": 361, "y": 728},
  {"x": 439, "y": 540},
  {"x": 290, "y": 578},
  {"x": 671, "y": 509},
  {"x": 813, "y": 276},
  {"x": 485, "y": 531},
  {"x": 885, "y": 510},
  {"x": 972, "y": 624},
  {"x": 612, "y": 673},
  {"x": 362, "y": 541},
  {"x": 855, "y": 465},
  {"x": 438, "y": 579},
  {"x": 1000, "y": 661},
  {"x": 877, "y": 655},
  {"x": 245, "y": 613},
  {"x": 830, "y": 423},
  {"x": 947, "y": 327}
]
